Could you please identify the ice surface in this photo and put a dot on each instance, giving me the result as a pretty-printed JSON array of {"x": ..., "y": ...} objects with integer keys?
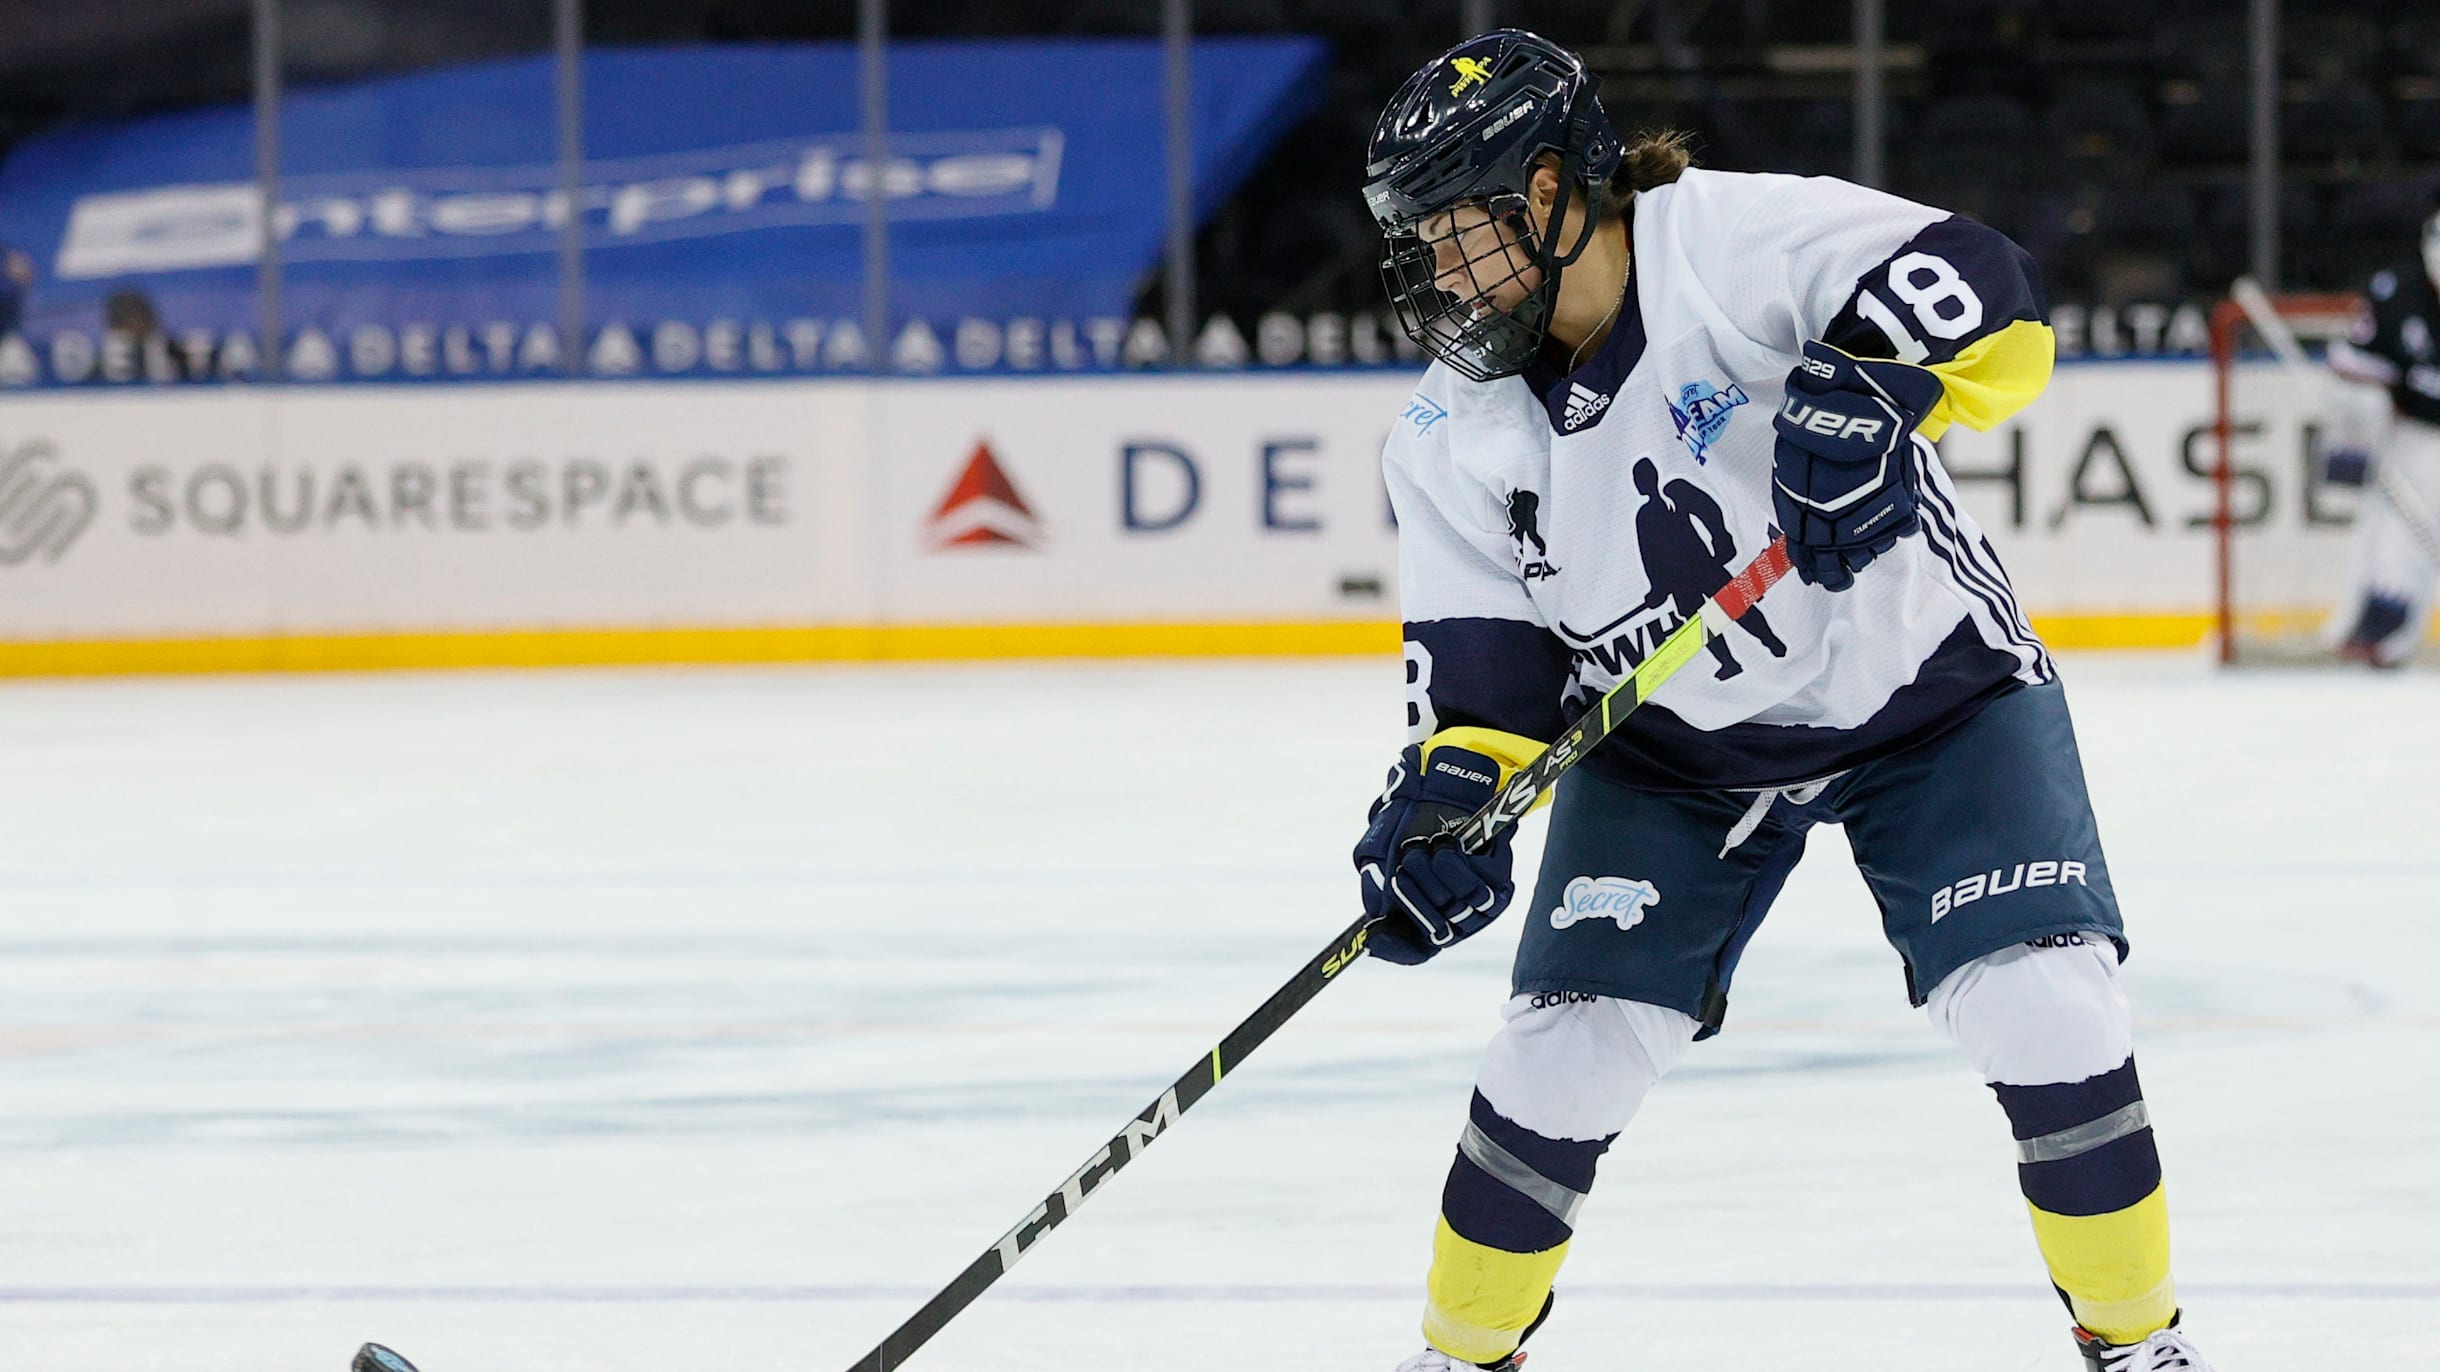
[{"x": 660, "y": 1021}]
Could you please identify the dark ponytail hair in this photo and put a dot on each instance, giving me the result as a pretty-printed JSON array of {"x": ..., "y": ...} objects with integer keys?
[{"x": 1654, "y": 158}]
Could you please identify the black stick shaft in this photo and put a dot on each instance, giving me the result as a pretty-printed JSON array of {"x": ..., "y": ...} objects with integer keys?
[
  {"x": 1192, "y": 1086},
  {"x": 1477, "y": 833}
]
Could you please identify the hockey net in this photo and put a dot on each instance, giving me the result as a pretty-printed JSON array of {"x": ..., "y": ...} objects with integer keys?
[{"x": 2282, "y": 534}]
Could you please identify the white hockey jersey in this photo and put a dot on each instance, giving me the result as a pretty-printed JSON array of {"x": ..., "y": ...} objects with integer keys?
[{"x": 1554, "y": 528}]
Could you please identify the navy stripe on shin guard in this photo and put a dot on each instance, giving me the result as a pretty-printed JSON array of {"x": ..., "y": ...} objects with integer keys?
[
  {"x": 2093, "y": 1143},
  {"x": 1494, "y": 1212}
]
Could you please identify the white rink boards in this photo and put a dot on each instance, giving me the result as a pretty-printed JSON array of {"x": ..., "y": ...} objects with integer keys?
[
  {"x": 674, "y": 1020},
  {"x": 863, "y": 517}
]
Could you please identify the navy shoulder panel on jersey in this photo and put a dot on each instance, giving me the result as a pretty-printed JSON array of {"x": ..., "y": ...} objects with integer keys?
[
  {"x": 1577, "y": 400},
  {"x": 1955, "y": 282},
  {"x": 1656, "y": 750},
  {"x": 1496, "y": 673}
]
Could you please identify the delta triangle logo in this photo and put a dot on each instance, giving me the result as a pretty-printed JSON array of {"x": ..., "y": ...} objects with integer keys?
[{"x": 983, "y": 509}]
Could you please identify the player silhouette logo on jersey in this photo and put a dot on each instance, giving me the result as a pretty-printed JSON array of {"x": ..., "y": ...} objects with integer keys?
[
  {"x": 1525, "y": 525},
  {"x": 1688, "y": 555}
]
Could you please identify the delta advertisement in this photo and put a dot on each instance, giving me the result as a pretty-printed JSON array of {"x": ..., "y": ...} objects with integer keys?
[{"x": 895, "y": 516}]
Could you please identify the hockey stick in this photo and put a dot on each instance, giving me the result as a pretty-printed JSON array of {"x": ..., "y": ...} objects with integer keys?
[
  {"x": 1709, "y": 621},
  {"x": 2264, "y": 316}
]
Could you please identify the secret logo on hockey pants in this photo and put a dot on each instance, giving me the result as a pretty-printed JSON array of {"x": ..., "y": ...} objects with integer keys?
[
  {"x": 2001, "y": 881},
  {"x": 1619, "y": 898}
]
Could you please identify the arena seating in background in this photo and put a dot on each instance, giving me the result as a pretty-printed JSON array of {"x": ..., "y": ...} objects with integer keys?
[{"x": 2111, "y": 137}]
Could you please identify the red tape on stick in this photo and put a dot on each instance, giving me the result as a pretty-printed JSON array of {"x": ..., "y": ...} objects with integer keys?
[{"x": 1739, "y": 595}]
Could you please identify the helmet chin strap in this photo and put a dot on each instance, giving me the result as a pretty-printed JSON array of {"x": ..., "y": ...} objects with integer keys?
[{"x": 1570, "y": 170}]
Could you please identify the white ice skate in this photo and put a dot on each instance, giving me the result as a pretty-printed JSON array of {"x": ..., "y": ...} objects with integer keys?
[
  {"x": 2165, "y": 1351},
  {"x": 1433, "y": 1360}
]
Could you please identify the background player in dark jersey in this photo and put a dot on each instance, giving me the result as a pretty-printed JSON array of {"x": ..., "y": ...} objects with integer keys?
[{"x": 2386, "y": 426}]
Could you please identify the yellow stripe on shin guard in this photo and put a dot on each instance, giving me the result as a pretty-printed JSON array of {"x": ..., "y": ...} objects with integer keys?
[
  {"x": 2114, "y": 1267},
  {"x": 1481, "y": 1299}
]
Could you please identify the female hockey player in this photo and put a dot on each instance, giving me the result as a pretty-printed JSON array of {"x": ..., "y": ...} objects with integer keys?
[
  {"x": 2386, "y": 416},
  {"x": 1642, "y": 373}
]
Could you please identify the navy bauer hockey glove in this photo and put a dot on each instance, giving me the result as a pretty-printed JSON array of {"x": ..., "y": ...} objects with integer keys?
[
  {"x": 1425, "y": 890},
  {"x": 1843, "y": 470}
]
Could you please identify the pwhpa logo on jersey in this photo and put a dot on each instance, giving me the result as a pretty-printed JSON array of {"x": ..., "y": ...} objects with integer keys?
[
  {"x": 983, "y": 508},
  {"x": 1623, "y": 899},
  {"x": 44, "y": 507},
  {"x": 1584, "y": 405},
  {"x": 2000, "y": 881}
]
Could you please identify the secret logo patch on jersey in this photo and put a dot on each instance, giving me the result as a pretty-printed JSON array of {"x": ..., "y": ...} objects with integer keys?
[
  {"x": 1584, "y": 405},
  {"x": 1701, "y": 413},
  {"x": 1621, "y": 900},
  {"x": 1423, "y": 412}
]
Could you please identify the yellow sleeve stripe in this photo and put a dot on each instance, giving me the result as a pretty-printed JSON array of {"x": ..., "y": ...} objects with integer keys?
[
  {"x": 1513, "y": 752},
  {"x": 1481, "y": 1299},
  {"x": 1992, "y": 378},
  {"x": 2114, "y": 1267}
]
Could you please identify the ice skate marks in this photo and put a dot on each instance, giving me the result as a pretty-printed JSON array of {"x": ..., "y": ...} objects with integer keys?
[{"x": 1623, "y": 899}]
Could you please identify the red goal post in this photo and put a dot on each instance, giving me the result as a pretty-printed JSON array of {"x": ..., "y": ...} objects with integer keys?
[{"x": 2269, "y": 601}]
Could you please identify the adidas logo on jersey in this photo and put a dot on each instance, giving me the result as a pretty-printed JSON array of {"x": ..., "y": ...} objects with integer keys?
[{"x": 1584, "y": 405}]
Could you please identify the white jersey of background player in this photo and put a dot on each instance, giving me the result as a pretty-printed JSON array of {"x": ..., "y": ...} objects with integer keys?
[
  {"x": 2385, "y": 435},
  {"x": 1630, "y": 399}
]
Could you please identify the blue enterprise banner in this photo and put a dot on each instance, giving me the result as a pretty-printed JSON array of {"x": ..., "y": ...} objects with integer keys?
[{"x": 722, "y": 203}]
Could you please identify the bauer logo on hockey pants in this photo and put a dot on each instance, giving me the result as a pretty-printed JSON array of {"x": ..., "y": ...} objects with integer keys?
[
  {"x": 1999, "y": 881},
  {"x": 1619, "y": 898}
]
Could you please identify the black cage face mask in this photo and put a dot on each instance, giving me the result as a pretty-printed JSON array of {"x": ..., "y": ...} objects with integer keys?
[
  {"x": 1470, "y": 287},
  {"x": 1474, "y": 287}
]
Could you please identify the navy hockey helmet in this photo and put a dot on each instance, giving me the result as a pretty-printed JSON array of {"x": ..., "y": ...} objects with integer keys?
[{"x": 1446, "y": 178}]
